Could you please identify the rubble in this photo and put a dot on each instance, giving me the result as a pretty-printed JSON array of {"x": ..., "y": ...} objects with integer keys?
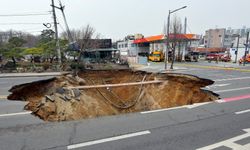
[{"x": 113, "y": 92}]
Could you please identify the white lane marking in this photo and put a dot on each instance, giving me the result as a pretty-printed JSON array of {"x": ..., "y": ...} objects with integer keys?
[
  {"x": 221, "y": 85},
  {"x": 15, "y": 114},
  {"x": 218, "y": 85},
  {"x": 230, "y": 143},
  {"x": 160, "y": 110},
  {"x": 229, "y": 90},
  {"x": 108, "y": 139},
  {"x": 173, "y": 108},
  {"x": 229, "y": 79},
  {"x": 220, "y": 101},
  {"x": 197, "y": 105},
  {"x": 3, "y": 96},
  {"x": 242, "y": 112}
]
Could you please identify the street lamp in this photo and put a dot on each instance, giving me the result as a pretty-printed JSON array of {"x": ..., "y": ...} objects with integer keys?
[{"x": 167, "y": 48}]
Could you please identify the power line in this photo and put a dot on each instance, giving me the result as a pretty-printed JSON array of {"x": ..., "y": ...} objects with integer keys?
[
  {"x": 21, "y": 23},
  {"x": 24, "y": 15}
]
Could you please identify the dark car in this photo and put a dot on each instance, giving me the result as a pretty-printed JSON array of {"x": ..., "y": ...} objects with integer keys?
[{"x": 192, "y": 56}]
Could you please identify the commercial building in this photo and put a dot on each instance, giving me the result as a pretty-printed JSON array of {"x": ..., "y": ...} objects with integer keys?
[
  {"x": 217, "y": 38},
  {"x": 99, "y": 50},
  {"x": 138, "y": 49}
]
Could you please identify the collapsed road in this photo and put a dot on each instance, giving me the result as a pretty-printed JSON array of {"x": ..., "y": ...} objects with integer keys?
[{"x": 111, "y": 92}]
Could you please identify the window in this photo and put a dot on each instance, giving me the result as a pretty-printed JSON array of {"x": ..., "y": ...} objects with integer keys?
[{"x": 126, "y": 45}]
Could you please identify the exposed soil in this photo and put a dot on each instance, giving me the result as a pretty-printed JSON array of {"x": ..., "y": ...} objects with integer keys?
[{"x": 52, "y": 100}]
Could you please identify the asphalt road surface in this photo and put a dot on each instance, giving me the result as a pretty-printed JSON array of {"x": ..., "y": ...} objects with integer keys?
[{"x": 220, "y": 125}]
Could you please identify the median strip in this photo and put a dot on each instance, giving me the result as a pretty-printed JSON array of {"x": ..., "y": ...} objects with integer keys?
[{"x": 125, "y": 136}]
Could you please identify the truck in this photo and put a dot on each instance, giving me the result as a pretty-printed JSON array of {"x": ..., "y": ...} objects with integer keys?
[{"x": 156, "y": 56}]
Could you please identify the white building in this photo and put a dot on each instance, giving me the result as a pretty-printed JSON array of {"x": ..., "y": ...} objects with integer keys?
[{"x": 127, "y": 48}]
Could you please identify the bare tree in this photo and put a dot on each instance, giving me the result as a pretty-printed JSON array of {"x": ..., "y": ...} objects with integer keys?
[
  {"x": 85, "y": 38},
  {"x": 175, "y": 31}
]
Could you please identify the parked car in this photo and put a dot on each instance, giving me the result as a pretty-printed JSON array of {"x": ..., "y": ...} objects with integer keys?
[
  {"x": 218, "y": 57},
  {"x": 192, "y": 56},
  {"x": 247, "y": 59},
  {"x": 226, "y": 58}
]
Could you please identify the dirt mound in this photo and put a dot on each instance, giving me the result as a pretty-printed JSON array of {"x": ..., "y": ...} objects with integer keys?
[{"x": 99, "y": 93}]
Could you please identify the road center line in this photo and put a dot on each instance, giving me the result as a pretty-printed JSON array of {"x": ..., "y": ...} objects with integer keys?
[
  {"x": 229, "y": 79},
  {"x": 108, "y": 139},
  {"x": 229, "y": 90},
  {"x": 242, "y": 112},
  {"x": 15, "y": 114}
]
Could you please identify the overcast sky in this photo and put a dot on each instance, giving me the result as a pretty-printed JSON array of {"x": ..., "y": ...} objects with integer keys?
[{"x": 117, "y": 18}]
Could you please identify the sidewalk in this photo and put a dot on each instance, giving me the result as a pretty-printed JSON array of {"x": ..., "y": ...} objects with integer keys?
[{"x": 12, "y": 75}]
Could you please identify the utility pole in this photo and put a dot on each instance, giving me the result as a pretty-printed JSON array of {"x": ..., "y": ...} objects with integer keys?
[
  {"x": 245, "y": 56},
  {"x": 56, "y": 33},
  {"x": 65, "y": 21}
]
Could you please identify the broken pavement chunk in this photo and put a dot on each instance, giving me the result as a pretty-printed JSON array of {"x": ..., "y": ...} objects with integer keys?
[
  {"x": 51, "y": 98},
  {"x": 77, "y": 92},
  {"x": 60, "y": 90}
]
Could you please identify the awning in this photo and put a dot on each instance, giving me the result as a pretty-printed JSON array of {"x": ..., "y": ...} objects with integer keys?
[
  {"x": 143, "y": 40},
  {"x": 161, "y": 37}
]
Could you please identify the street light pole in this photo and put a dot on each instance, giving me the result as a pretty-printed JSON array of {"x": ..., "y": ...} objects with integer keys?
[
  {"x": 236, "y": 52},
  {"x": 168, "y": 39},
  {"x": 167, "y": 47},
  {"x": 245, "y": 56}
]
